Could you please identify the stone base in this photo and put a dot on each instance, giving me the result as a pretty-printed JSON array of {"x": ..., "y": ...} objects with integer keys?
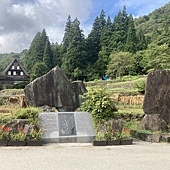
[
  {"x": 67, "y": 127},
  {"x": 69, "y": 139}
]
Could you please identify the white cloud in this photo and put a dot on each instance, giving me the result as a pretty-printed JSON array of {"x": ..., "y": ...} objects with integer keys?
[
  {"x": 20, "y": 21},
  {"x": 142, "y": 7},
  {"x": 13, "y": 42}
]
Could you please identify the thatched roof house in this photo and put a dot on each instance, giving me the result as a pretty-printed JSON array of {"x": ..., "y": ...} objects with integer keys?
[{"x": 14, "y": 73}]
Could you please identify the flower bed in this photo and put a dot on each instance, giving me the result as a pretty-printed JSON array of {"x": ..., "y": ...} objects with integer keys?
[
  {"x": 20, "y": 136},
  {"x": 111, "y": 137}
]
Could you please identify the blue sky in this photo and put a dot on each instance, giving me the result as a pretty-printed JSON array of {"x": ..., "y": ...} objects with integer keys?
[{"x": 20, "y": 20}]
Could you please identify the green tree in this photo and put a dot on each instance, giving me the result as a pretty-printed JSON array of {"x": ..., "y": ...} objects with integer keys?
[
  {"x": 38, "y": 52},
  {"x": 75, "y": 53},
  {"x": 142, "y": 43},
  {"x": 102, "y": 20},
  {"x": 48, "y": 56},
  {"x": 34, "y": 54},
  {"x": 93, "y": 46},
  {"x": 138, "y": 57},
  {"x": 156, "y": 57},
  {"x": 43, "y": 39},
  {"x": 164, "y": 38},
  {"x": 67, "y": 36},
  {"x": 105, "y": 50},
  {"x": 38, "y": 70},
  {"x": 93, "y": 39},
  {"x": 120, "y": 64},
  {"x": 93, "y": 42},
  {"x": 56, "y": 50},
  {"x": 120, "y": 29},
  {"x": 132, "y": 41}
]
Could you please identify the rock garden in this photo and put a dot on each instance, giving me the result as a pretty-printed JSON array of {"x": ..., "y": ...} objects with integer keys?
[{"x": 118, "y": 118}]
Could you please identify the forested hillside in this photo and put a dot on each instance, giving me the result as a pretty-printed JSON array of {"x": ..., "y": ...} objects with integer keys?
[
  {"x": 156, "y": 25},
  {"x": 116, "y": 46}
]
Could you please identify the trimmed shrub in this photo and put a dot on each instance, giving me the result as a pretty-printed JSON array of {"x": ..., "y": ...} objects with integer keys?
[
  {"x": 99, "y": 104},
  {"x": 29, "y": 113}
]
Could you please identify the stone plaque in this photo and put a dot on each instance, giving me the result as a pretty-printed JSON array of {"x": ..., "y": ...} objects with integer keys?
[
  {"x": 67, "y": 127},
  {"x": 84, "y": 125},
  {"x": 49, "y": 123},
  {"x": 66, "y": 124}
]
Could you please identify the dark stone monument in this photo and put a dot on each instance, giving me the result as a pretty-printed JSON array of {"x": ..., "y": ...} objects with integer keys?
[
  {"x": 67, "y": 127},
  {"x": 157, "y": 101},
  {"x": 54, "y": 89}
]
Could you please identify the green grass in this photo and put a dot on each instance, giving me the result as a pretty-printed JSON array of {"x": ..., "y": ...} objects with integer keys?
[
  {"x": 5, "y": 118},
  {"x": 133, "y": 125},
  {"x": 7, "y": 92},
  {"x": 130, "y": 78},
  {"x": 122, "y": 91},
  {"x": 125, "y": 85},
  {"x": 131, "y": 111}
]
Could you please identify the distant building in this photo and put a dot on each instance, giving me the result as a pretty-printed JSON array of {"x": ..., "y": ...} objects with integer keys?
[{"x": 14, "y": 73}]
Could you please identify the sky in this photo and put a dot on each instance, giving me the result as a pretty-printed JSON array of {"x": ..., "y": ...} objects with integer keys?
[{"x": 20, "y": 20}]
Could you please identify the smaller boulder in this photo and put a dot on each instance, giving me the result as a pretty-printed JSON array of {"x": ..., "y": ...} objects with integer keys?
[{"x": 153, "y": 122}]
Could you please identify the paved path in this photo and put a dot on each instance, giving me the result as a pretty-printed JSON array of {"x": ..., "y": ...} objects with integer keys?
[{"x": 139, "y": 156}]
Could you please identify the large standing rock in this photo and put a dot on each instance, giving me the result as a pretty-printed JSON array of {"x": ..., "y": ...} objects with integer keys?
[
  {"x": 54, "y": 89},
  {"x": 157, "y": 98}
]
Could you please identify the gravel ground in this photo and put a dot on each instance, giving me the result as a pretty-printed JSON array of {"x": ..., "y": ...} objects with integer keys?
[{"x": 84, "y": 156}]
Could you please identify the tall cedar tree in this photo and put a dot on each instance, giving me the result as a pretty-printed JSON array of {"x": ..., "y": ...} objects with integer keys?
[
  {"x": 132, "y": 41},
  {"x": 67, "y": 36},
  {"x": 105, "y": 50},
  {"x": 34, "y": 54},
  {"x": 93, "y": 42},
  {"x": 93, "y": 39},
  {"x": 38, "y": 50},
  {"x": 48, "y": 56},
  {"x": 94, "y": 47},
  {"x": 44, "y": 38},
  {"x": 73, "y": 62},
  {"x": 56, "y": 50},
  {"x": 120, "y": 29}
]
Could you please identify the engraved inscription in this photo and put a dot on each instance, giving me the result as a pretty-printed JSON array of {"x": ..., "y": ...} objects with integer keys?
[
  {"x": 66, "y": 124},
  {"x": 49, "y": 123}
]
